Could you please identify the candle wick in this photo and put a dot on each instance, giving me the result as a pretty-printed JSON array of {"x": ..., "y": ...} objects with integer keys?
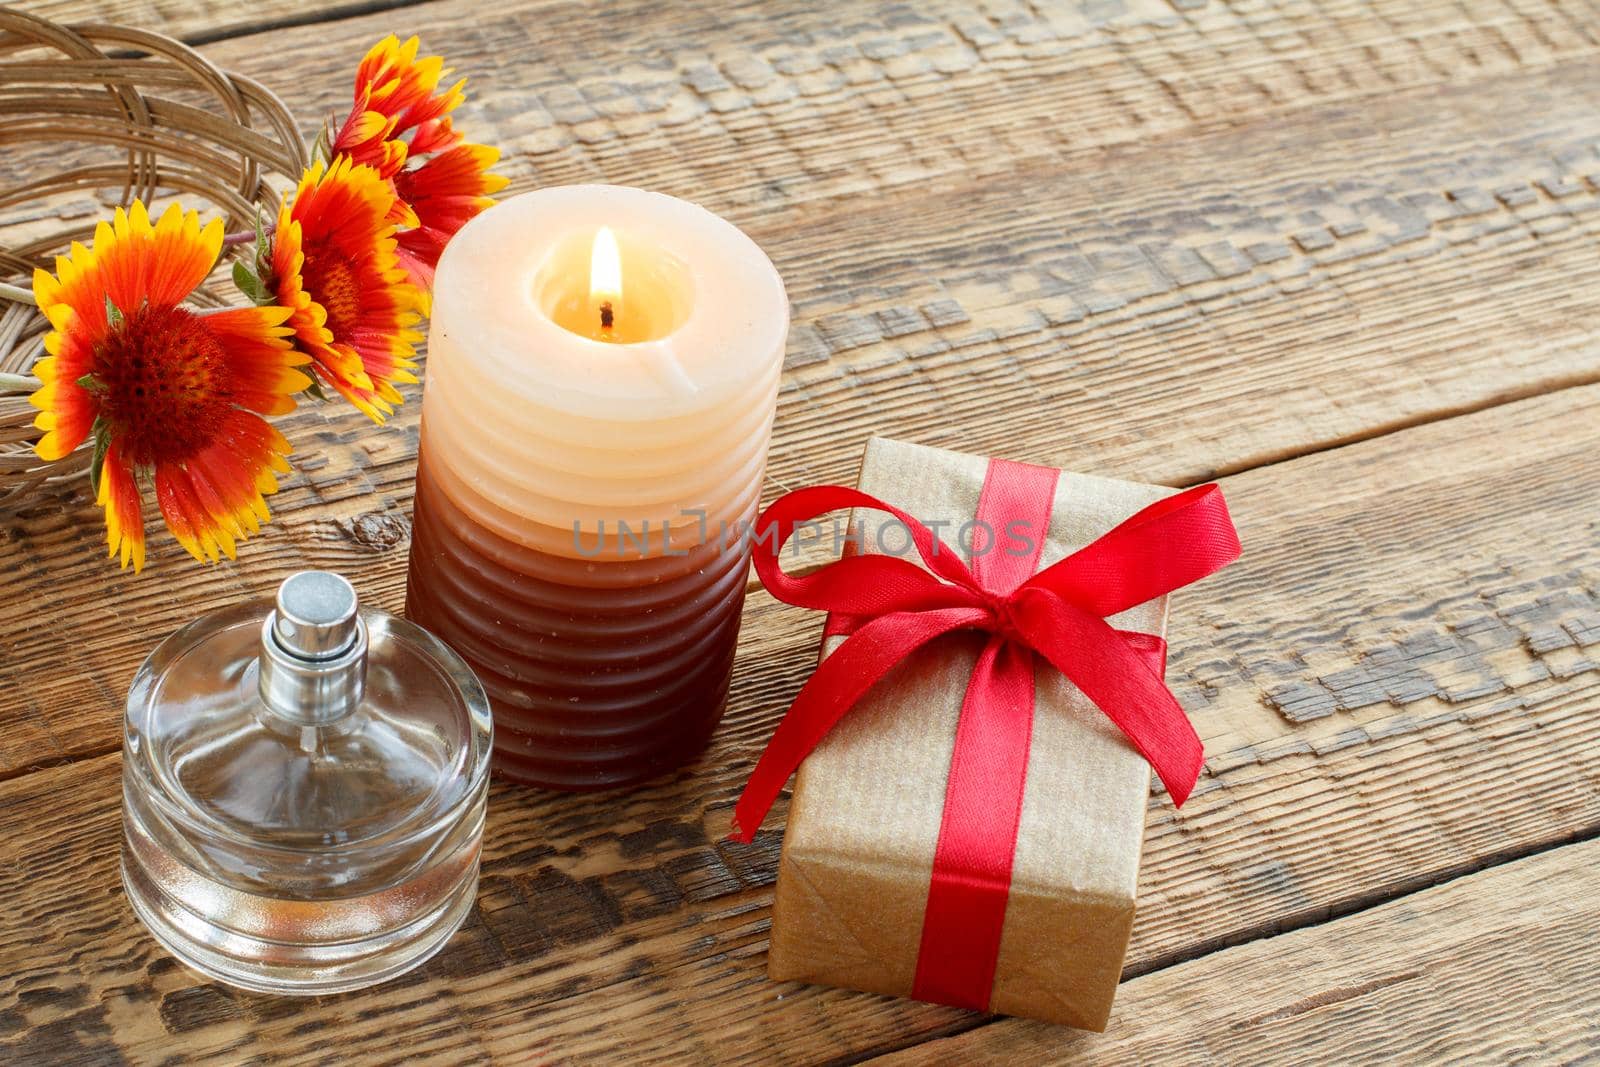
[{"x": 607, "y": 315}]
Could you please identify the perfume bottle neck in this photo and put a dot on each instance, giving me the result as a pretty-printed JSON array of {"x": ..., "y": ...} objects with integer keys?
[{"x": 313, "y": 665}]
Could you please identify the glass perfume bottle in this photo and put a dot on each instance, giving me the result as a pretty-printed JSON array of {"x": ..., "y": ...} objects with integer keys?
[{"x": 304, "y": 787}]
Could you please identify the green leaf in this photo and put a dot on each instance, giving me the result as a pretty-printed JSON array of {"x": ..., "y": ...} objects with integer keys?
[
  {"x": 102, "y": 441},
  {"x": 248, "y": 283},
  {"x": 113, "y": 316},
  {"x": 316, "y": 390}
]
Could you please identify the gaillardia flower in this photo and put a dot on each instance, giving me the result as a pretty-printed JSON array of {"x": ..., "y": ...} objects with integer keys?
[
  {"x": 440, "y": 180},
  {"x": 404, "y": 90},
  {"x": 335, "y": 266},
  {"x": 171, "y": 393},
  {"x": 443, "y": 194}
]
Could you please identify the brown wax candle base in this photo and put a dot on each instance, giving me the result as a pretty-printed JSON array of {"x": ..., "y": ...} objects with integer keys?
[{"x": 601, "y": 673}]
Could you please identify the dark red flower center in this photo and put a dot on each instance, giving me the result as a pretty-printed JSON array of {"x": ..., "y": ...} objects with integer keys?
[
  {"x": 166, "y": 383},
  {"x": 333, "y": 282}
]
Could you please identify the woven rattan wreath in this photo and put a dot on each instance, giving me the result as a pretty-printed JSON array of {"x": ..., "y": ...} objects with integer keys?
[{"x": 120, "y": 112}]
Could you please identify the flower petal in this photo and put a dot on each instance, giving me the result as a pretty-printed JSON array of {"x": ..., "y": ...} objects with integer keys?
[
  {"x": 183, "y": 514},
  {"x": 182, "y": 255},
  {"x": 66, "y": 409},
  {"x": 119, "y": 496}
]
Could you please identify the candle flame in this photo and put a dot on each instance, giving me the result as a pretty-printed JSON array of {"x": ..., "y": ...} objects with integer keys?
[{"x": 605, "y": 267}]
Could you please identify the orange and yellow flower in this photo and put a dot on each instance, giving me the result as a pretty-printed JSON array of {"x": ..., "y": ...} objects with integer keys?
[
  {"x": 170, "y": 392},
  {"x": 443, "y": 194},
  {"x": 335, "y": 265},
  {"x": 440, "y": 180},
  {"x": 403, "y": 91}
]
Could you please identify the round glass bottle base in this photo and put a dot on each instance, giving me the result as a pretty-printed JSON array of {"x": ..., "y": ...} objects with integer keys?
[{"x": 301, "y": 964}]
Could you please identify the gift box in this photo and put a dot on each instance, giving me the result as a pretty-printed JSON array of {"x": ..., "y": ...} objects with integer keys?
[{"x": 1008, "y": 882}]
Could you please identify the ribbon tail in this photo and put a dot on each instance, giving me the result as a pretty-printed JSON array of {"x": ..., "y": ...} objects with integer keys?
[
  {"x": 1120, "y": 678},
  {"x": 840, "y": 680}
]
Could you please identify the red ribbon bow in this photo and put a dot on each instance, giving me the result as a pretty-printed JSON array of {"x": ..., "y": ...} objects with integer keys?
[{"x": 893, "y": 607}]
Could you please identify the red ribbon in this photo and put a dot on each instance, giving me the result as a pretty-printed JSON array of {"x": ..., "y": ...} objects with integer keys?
[{"x": 890, "y": 607}]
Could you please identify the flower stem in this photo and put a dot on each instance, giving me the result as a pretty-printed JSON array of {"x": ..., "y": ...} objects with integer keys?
[
  {"x": 18, "y": 383},
  {"x": 245, "y": 237},
  {"x": 17, "y": 293}
]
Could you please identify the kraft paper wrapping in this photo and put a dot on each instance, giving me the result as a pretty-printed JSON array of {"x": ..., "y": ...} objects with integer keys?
[{"x": 865, "y": 815}]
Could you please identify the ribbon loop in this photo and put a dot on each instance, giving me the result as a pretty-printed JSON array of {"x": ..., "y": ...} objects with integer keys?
[
  {"x": 1172, "y": 543},
  {"x": 858, "y": 584}
]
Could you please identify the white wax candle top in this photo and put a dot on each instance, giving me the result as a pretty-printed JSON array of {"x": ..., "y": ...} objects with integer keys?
[{"x": 712, "y": 306}]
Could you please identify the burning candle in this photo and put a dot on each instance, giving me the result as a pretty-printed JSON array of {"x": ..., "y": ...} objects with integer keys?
[{"x": 602, "y": 377}]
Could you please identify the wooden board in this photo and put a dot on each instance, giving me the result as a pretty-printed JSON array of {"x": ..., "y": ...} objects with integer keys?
[
  {"x": 1084, "y": 310},
  {"x": 1342, "y": 253},
  {"x": 1435, "y": 586},
  {"x": 201, "y": 21},
  {"x": 758, "y": 108},
  {"x": 817, "y": 101},
  {"x": 1509, "y": 951}
]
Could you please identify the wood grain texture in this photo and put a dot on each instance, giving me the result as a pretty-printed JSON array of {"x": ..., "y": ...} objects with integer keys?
[
  {"x": 1152, "y": 239},
  {"x": 1203, "y": 301},
  {"x": 1261, "y": 227},
  {"x": 199, "y": 21},
  {"x": 756, "y": 107},
  {"x": 1454, "y": 568},
  {"x": 1512, "y": 949}
]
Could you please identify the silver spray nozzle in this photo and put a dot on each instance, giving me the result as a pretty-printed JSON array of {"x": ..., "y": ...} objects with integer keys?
[{"x": 313, "y": 649}]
